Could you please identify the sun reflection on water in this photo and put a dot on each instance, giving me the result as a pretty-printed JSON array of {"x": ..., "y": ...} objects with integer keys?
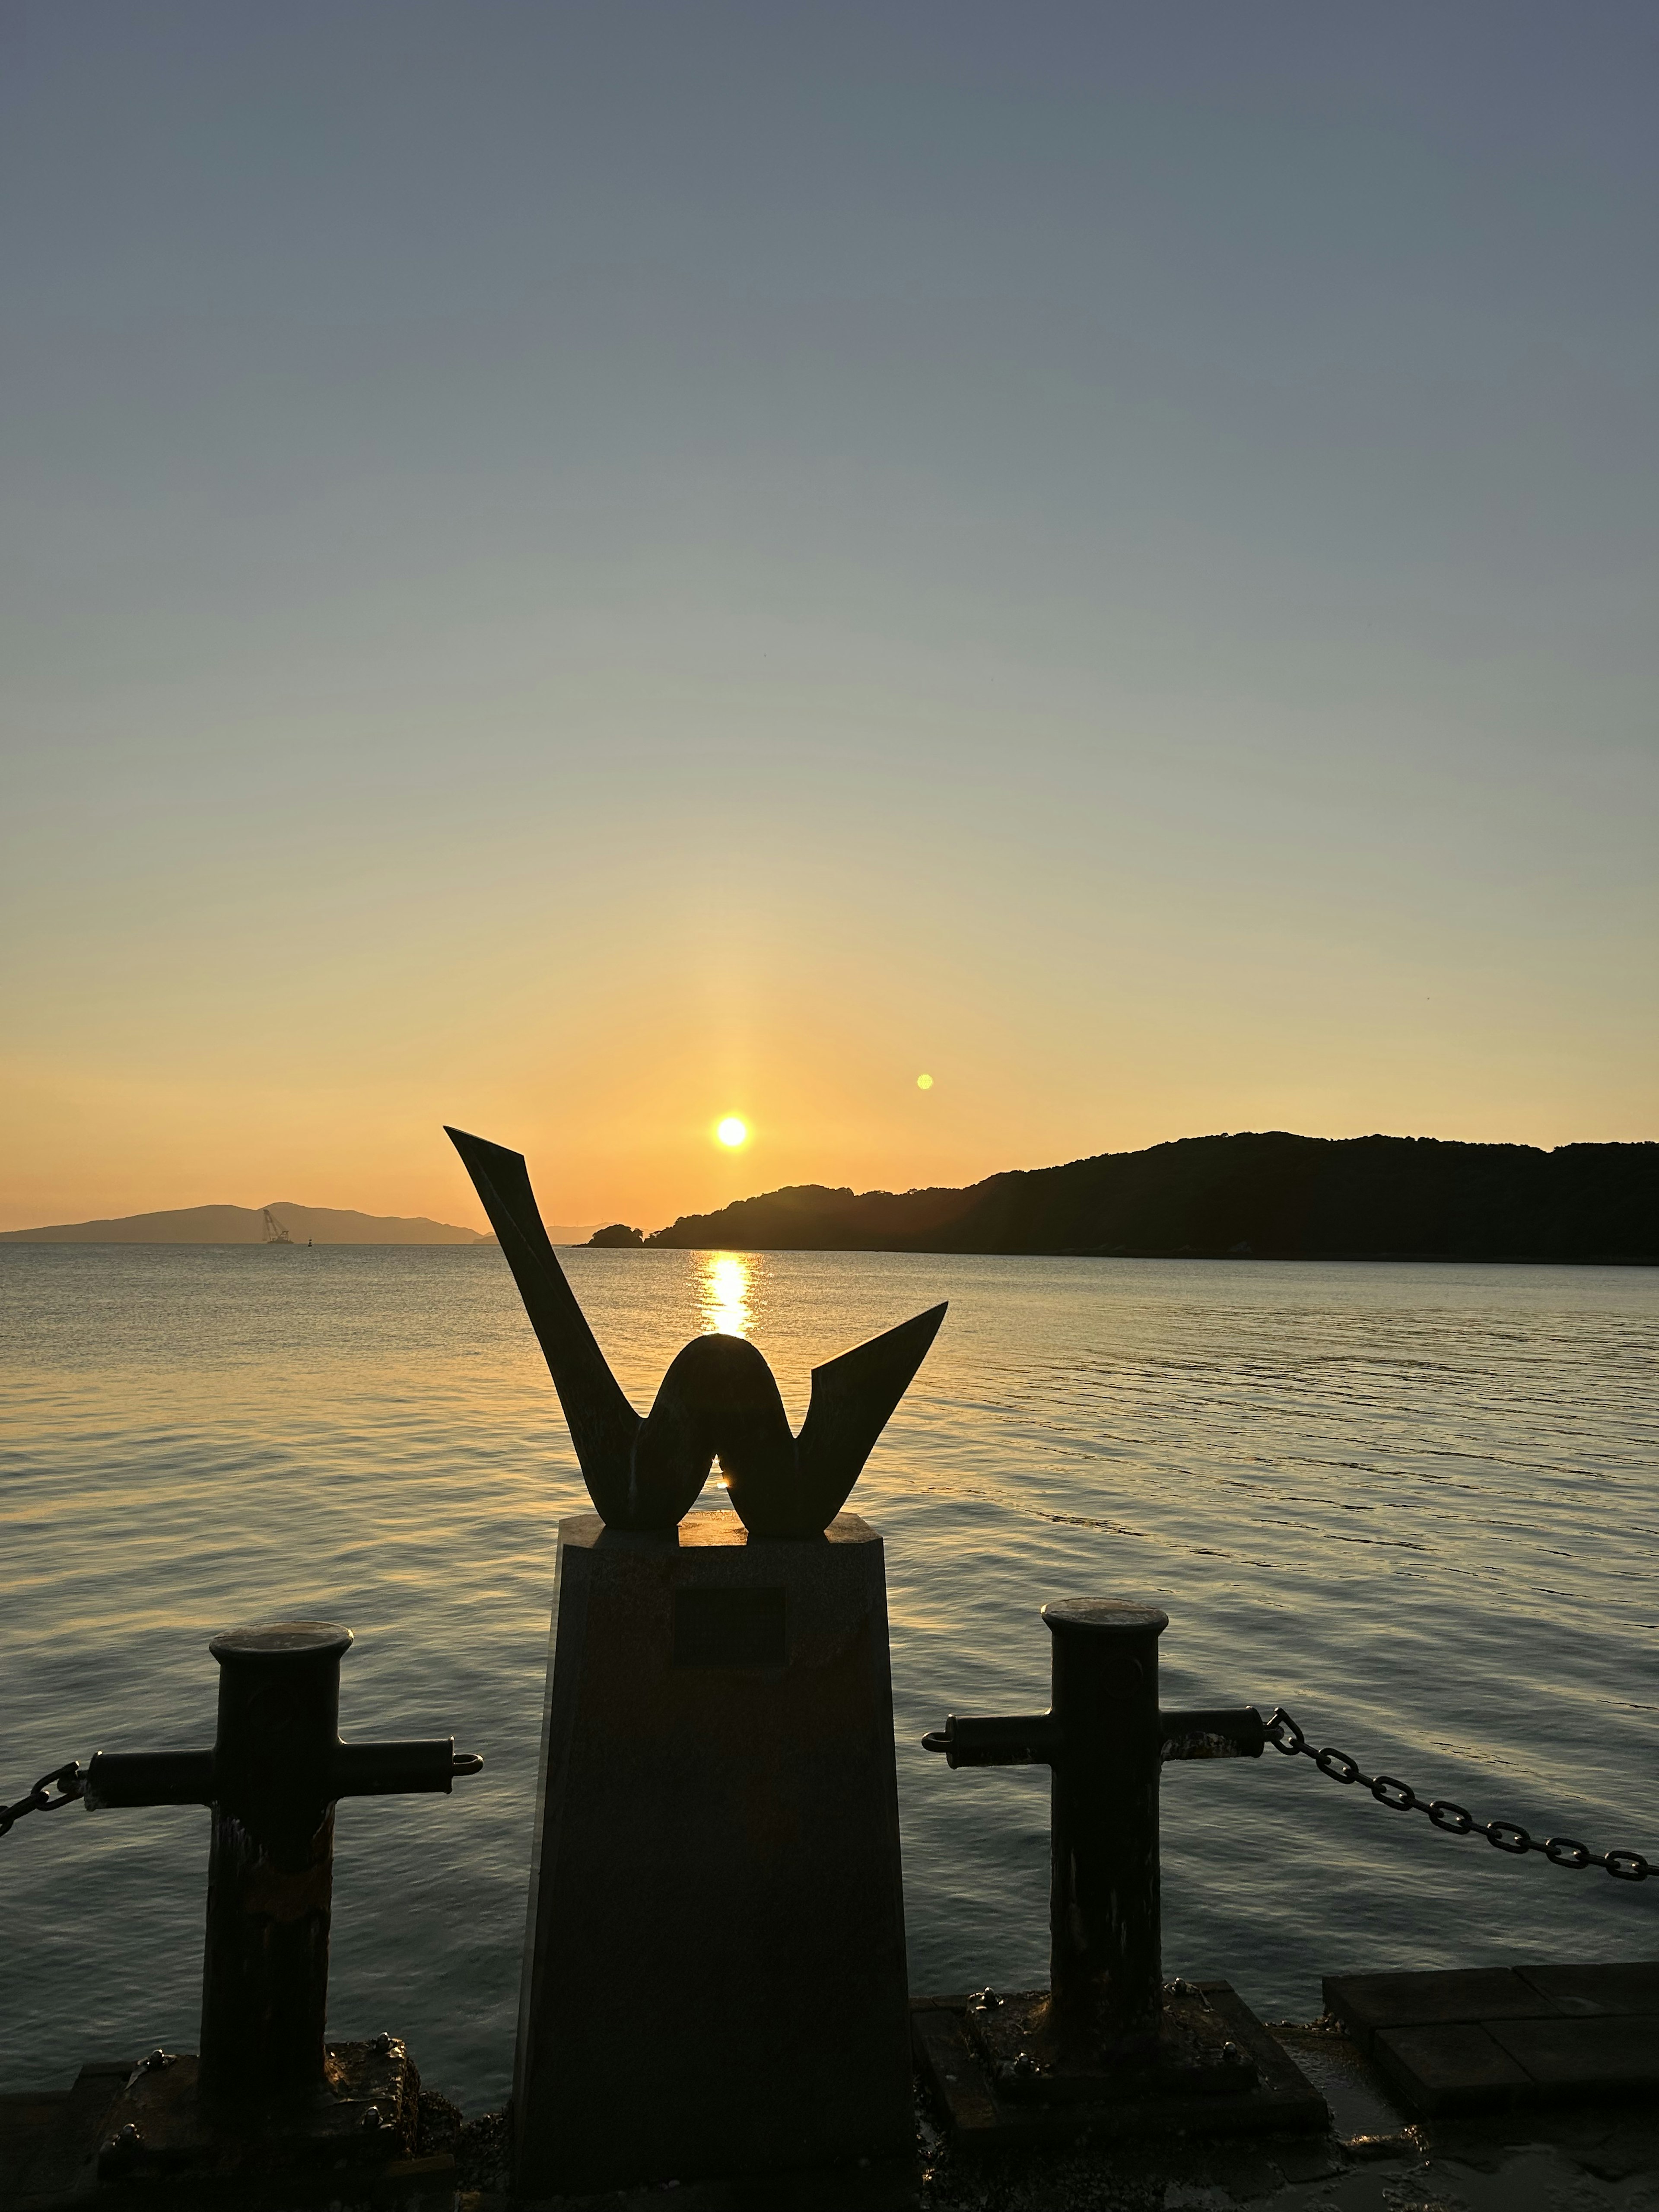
[{"x": 723, "y": 1294}]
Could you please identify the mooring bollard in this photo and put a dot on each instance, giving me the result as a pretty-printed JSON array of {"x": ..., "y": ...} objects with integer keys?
[
  {"x": 276, "y": 1770},
  {"x": 1106, "y": 1741}
]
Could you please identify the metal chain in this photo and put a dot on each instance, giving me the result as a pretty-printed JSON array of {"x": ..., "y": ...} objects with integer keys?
[
  {"x": 68, "y": 1780},
  {"x": 1285, "y": 1735}
]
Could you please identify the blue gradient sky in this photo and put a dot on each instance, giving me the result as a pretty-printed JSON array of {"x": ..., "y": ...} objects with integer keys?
[{"x": 576, "y": 568}]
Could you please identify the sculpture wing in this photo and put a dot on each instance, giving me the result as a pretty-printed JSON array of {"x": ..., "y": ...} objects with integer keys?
[
  {"x": 853, "y": 1400},
  {"x": 603, "y": 1424}
]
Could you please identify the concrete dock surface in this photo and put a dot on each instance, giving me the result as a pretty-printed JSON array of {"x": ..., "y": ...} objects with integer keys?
[{"x": 1592, "y": 2153}]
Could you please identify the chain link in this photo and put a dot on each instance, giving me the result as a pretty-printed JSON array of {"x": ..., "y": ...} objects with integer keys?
[
  {"x": 1285, "y": 1735},
  {"x": 68, "y": 1780}
]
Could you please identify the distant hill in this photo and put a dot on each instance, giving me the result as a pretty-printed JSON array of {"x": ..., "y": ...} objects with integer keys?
[
  {"x": 245, "y": 1224},
  {"x": 1261, "y": 1196}
]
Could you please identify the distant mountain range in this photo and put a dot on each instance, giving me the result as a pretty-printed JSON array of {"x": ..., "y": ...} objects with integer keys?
[
  {"x": 246, "y": 1225},
  {"x": 1268, "y": 1196}
]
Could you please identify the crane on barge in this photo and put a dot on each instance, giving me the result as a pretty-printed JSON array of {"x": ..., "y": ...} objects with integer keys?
[{"x": 275, "y": 1232}]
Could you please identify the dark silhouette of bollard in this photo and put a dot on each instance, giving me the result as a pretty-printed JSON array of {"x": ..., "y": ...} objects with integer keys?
[
  {"x": 276, "y": 1768},
  {"x": 1106, "y": 1741}
]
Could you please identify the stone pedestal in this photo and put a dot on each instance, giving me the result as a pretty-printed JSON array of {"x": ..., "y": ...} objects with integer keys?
[{"x": 714, "y": 1976}]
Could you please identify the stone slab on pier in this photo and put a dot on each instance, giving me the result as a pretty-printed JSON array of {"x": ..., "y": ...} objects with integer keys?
[{"x": 1487, "y": 2039}]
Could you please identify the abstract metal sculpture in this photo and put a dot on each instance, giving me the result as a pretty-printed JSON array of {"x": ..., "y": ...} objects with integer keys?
[{"x": 718, "y": 1398}]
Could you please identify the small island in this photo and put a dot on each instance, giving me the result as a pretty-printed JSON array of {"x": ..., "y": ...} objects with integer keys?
[{"x": 282, "y": 1222}]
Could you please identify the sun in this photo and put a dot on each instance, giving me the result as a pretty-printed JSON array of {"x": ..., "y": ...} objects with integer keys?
[{"x": 732, "y": 1131}]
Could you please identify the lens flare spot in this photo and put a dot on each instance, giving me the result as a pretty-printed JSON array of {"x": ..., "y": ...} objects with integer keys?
[
  {"x": 732, "y": 1131},
  {"x": 924, "y": 1083}
]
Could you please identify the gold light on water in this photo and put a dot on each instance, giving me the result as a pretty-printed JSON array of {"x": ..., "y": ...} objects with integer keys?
[{"x": 724, "y": 1294}]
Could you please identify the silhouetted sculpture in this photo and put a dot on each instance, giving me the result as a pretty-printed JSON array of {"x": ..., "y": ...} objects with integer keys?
[{"x": 719, "y": 1396}]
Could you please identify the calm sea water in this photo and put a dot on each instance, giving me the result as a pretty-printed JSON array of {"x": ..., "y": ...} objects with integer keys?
[{"x": 1417, "y": 1505}]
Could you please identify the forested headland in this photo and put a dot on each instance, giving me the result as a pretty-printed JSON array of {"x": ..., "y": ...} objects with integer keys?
[{"x": 1267, "y": 1196}]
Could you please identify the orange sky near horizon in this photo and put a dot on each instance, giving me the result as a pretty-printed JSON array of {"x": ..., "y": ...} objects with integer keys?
[
  {"x": 310, "y": 1047},
  {"x": 330, "y": 1083},
  {"x": 1131, "y": 926}
]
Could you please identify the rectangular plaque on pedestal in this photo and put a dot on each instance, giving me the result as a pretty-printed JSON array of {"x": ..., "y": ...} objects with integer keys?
[{"x": 714, "y": 1977}]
